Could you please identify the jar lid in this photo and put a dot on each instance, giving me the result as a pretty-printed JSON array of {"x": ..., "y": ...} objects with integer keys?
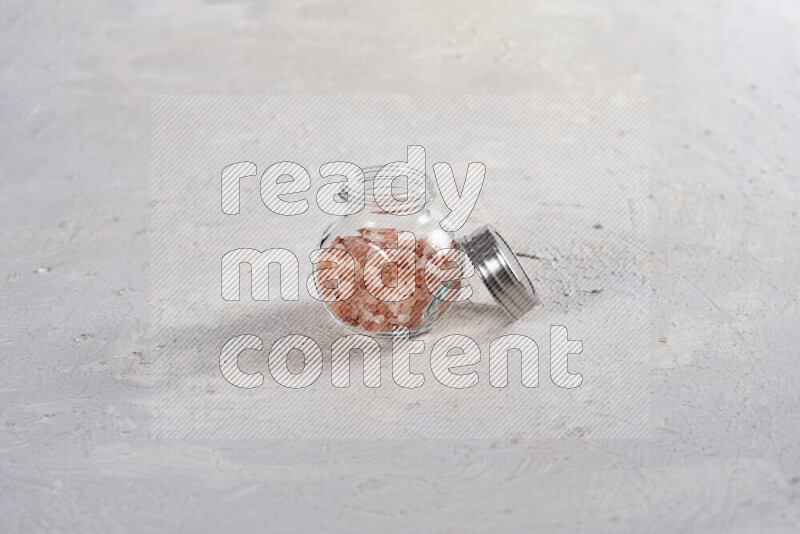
[{"x": 500, "y": 271}]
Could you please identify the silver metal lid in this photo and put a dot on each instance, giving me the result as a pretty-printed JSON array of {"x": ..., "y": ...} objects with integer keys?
[{"x": 500, "y": 270}]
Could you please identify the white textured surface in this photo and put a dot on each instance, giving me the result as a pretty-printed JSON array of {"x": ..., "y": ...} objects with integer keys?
[
  {"x": 74, "y": 130},
  {"x": 555, "y": 167}
]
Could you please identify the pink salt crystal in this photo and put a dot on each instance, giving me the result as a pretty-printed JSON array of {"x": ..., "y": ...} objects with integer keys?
[{"x": 364, "y": 310}]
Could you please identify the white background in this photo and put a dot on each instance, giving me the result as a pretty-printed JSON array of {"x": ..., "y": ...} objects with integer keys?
[
  {"x": 566, "y": 183},
  {"x": 76, "y": 81}
]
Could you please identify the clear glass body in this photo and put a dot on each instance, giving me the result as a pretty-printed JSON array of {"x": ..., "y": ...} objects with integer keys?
[{"x": 372, "y": 231}]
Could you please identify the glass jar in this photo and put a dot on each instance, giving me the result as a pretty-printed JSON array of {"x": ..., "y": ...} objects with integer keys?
[{"x": 406, "y": 270}]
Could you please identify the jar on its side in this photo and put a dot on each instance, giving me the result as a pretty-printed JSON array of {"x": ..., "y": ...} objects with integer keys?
[{"x": 402, "y": 270}]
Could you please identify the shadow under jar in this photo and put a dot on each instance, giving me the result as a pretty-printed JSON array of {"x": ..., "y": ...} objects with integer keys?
[{"x": 406, "y": 270}]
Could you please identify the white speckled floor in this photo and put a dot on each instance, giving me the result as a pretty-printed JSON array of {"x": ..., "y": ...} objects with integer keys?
[{"x": 75, "y": 88}]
